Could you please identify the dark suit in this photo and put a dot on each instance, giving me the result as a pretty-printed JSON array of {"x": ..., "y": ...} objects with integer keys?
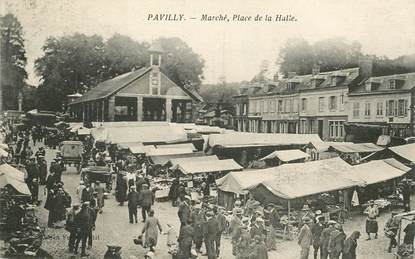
[
  {"x": 183, "y": 213},
  {"x": 82, "y": 222},
  {"x": 145, "y": 199},
  {"x": 211, "y": 229},
  {"x": 185, "y": 241},
  {"x": 132, "y": 198}
]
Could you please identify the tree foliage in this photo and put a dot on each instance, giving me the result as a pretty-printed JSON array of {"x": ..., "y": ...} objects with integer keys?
[
  {"x": 13, "y": 60},
  {"x": 78, "y": 62}
]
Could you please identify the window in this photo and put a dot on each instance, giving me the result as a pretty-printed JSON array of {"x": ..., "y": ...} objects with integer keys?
[
  {"x": 368, "y": 86},
  {"x": 279, "y": 105},
  {"x": 402, "y": 107},
  {"x": 303, "y": 104},
  {"x": 291, "y": 103},
  {"x": 258, "y": 106},
  {"x": 303, "y": 126},
  {"x": 262, "y": 106},
  {"x": 392, "y": 84},
  {"x": 333, "y": 103},
  {"x": 321, "y": 104},
  {"x": 244, "y": 110},
  {"x": 356, "y": 110},
  {"x": 286, "y": 105},
  {"x": 266, "y": 106},
  {"x": 367, "y": 109},
  {"x": 379, "y": 109},
  {"x": 390, "y": 107},
  {"x": 336, "y": 129}
]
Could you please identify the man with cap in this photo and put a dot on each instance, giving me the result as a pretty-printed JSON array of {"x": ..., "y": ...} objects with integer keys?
[
  {"x": 70, "y": 225},
  {"x": 305, "y": 238},
  {"x": 132, "y": 199},
  {"x": 391, "y": 230},
  {"x": 325, "y": 238},
  {"x": 336, "y": 242},
  {"x": 235, "y": 229},
  {"x": 145, "y": 200},
  {"x": 371, "y": 223},
  {"x": 210, "y": 231},
  {"x": 184, "y": 211}
]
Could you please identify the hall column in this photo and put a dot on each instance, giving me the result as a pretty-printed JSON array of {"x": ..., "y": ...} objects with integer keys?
[
  {"x": 168, "y": 110},
  {"x": 111, "y": 108},
  {"x": 139, "y": 108}
]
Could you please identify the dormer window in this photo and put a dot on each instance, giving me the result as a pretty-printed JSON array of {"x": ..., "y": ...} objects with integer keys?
[
  {"x": 392, "y": 84},
  {"x": 333, "y": 81},
  {"x": 368, "y": 86}
]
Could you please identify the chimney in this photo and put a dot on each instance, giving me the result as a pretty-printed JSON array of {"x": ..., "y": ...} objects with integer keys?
[
  {"x": 365, "y": 67},
  {"x": 316, "y": 70},
  {"x": 291, "y": 74}
]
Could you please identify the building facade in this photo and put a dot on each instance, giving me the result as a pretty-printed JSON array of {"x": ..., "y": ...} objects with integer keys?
[
  {"x": 146, "y": 94},
  {"x": 385, "y": 101}
]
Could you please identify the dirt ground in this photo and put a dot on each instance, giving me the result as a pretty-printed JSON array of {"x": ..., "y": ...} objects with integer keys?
[{"x": 113, "y": 226}]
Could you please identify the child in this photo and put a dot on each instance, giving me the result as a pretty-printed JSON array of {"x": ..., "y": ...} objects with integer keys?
[{"x": 79, "y": 190}]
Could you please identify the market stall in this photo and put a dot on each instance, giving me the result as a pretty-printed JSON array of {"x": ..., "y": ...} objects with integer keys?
[
  {"x": 285, "y": 156},
  {"x": 174, "y": 162}
]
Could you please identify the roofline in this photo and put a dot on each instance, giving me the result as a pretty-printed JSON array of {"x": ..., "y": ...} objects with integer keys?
[{"x": 398, "y": 91}]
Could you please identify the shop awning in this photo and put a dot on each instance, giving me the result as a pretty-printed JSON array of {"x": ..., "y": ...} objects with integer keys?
[
  {"x": 406, "y": 151},
  {"x": 356, "y": 148},
  {"x": 376, "y": 171},
  {"x": 197, "y": 167},
  {"x": 287, "y": 155},
  {"x": 304, "y": 179},
  {"x": 245, "y": 139},
  {"x": 12, "y": 172},
  {"x": 164, "y": 159},
  {"x": 175, "y": 162}
]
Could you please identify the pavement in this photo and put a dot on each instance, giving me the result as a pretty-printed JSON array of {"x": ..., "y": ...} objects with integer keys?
[{"x": 113, "y": 227}]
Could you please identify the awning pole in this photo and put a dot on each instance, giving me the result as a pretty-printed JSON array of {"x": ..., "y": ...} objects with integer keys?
[{"x": 289, "y": 209}]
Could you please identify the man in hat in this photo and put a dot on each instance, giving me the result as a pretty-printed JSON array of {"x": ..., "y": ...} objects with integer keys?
[
  {"x": 274, "y": 222},
  {"x": 70, "y": 225},
  {"x": 251, "y": 205},
  {"x": 184, "y": 211},
  {"x": 210, "y": 231},
  {"x": 222, "y": 224},
  {"x": 132, "y": 199},
  {"x": 391, "y": 230},
  {"x": 80, "y": 189},
  {"x": 198, "y": 221},
  {"x": 236, "y": 206},
  {"x": 316, "y": 230},
  {"x": 305, "y": 238},
  {"x": 145, "y": 200},
  {"x": 235, "y": 228},
  {"x": 325, "y": 238},
  {"x": 371, "y": 223},
  {"x": 43, "y": 169},
  {"x": 82, "y": 222}
]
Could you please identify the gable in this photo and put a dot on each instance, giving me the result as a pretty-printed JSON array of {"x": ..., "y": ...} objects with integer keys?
[
  {"x": 168, "y": 87},
  {"x": 140, "y": 86}
]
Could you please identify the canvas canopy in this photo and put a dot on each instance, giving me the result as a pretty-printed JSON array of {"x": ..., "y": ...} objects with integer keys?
[
  {"x": 13, "y": 177},
  {"x": 197, "y": 167},
  {"x": 175, "y": 162},
  {"x": 304, "y": 179},
  {"x": 406, "y": 151},
  {"x": 138, "y": 148},
  {"x": 376, "y": 171},
  {"x": 287, "y": 155},
  {"x": 242, "y": 182},
  {"x": 356, "y": 148},
  {"x": 182, "y": 145},
  {"x": 321, "y": 146},
  {"x": 245, "y": 139},
  {"x": 168, "y": 151},
  {"x": 139, "y": 134},
  {"x": 164, "y": 159}
]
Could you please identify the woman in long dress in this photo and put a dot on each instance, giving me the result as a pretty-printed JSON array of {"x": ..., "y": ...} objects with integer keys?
[{"x": 151, "y": 229}]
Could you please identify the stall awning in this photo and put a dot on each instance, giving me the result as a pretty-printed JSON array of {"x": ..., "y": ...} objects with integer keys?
[
  {"x": 182, "y": 145},
  {"x": 356, "y": 148},
  {"x": 287, "y": 155},
  {"x": 324, "y": 146},
  {"x": 406, "y": 151},
  {"x": 168, "y": 151},
  {"x": 164, "y": 159},
  {"x": 304, "y": 179},
  {"x": 197, "y": 167},
  {"x": 245, "y": 139},
  {"x": 177, "y": 161},
  {"x": 376, "y": 171},
  {"x": 13, "y": 177}
]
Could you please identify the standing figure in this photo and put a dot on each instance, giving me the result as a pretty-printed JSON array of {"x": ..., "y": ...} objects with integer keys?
[
  {"x": 409, "y": 233},
  {"x": 305, "y": 238},
  {"x": 371, "y": 223},
  {"x": 350, "y": 245},
  {"x": 210, "y": 231},
  {"x": 151, "y": 229},
  {"x": 391, "y": 230},
  {"x": 71, "y": 227},
  {"x": 316, "y": 230},
  {"x": 121, "y": 189},
  {"x": 185, "y": 240},
  {"x": 222, "y": 226},
  {"x": 100, "y": 195},
  {"x": 82, "y": 223},
  {"x": 132, "y": 204},
  {"x": 336, "y": 242},
  {"x": 184, "y": 211},
  {"x": 145, "y": 201}
]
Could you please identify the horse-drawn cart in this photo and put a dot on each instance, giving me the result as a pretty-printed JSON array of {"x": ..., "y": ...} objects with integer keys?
[
  {"x": 92, "y": 174},
  {"x": 71, "y": 152}
]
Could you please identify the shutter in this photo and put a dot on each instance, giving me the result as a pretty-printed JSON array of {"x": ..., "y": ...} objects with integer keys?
[
  {"x": 387, "y": 108},
  {"x": 405, "y": 108}
]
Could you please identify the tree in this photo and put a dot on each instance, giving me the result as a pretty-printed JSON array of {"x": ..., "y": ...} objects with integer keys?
[
  {"x": 180, "y": 63},
  {"x": 296, "y": 56},
  {"x": 13, "y": 60},
  {"x": 69, "y": 64},
  {"x": 122, "y": 54}
]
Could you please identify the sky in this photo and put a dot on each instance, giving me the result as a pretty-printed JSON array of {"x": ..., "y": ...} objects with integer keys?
[{"x": 233, "y": 49}]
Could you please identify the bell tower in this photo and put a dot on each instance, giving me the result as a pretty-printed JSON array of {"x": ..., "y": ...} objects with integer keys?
[{"x": 155, "y": 54}]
